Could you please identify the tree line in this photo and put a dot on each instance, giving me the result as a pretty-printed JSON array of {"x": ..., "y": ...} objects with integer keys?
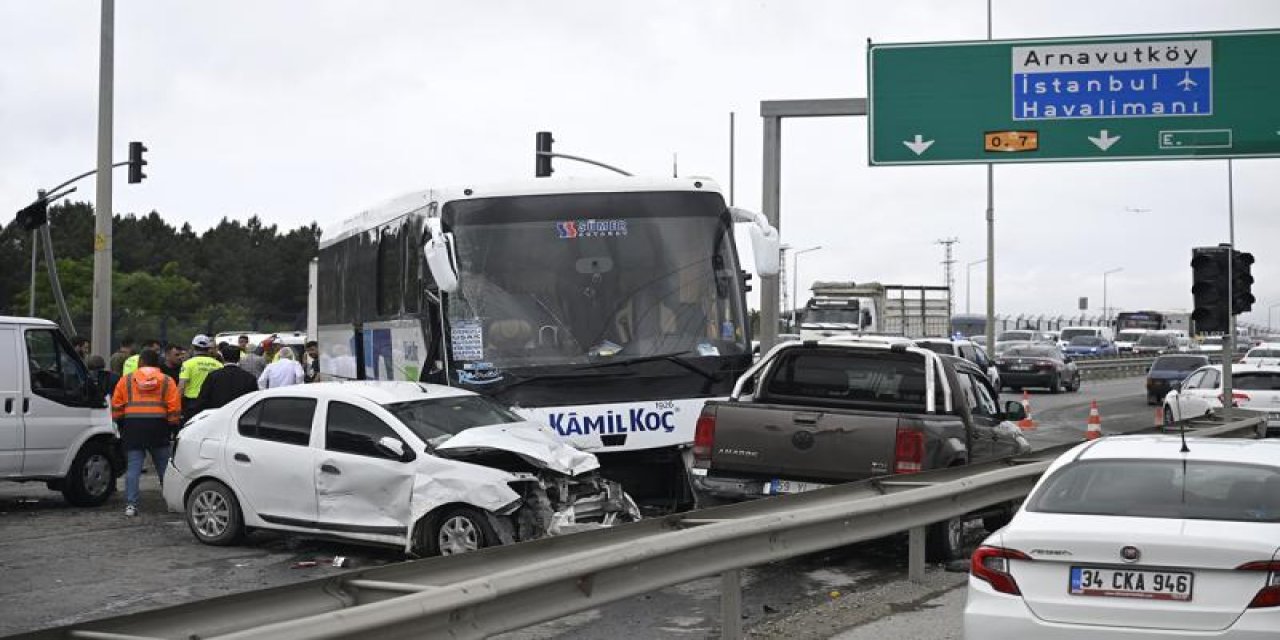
[{"x": 168, "y": 282}]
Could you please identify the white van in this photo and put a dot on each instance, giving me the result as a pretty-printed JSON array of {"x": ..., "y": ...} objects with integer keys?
[{"x": 55, "y": 426}]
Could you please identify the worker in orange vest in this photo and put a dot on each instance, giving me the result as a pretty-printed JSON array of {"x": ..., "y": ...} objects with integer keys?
[{"x": 147, "y": 407}]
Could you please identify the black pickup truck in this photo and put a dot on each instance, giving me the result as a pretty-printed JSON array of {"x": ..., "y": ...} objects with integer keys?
[{"x": 812, "y": 414}]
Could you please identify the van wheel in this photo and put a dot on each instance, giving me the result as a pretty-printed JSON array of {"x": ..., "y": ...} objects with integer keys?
[
  {"x": 214, "y": 515},
  {"x": 92, "y": 476}
]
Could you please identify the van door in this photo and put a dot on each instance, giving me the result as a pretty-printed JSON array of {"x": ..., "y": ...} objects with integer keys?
[
  {"x": 58, "y": 407},
  {"x": 10, "y": 403}
]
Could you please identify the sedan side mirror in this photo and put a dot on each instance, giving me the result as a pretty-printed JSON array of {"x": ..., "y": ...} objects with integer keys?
[
  {"x": 394, "y": 448},
  {"x": 1013, "y": 410}
]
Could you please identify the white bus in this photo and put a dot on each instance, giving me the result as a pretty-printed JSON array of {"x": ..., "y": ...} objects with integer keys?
[{"x": 608, "y": 309}]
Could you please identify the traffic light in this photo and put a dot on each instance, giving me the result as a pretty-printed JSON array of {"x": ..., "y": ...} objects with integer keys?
[
  {"x": 136, "y": 162},
  {"x": 1241, "y": 282},
  {"x": 34, "y": 215},
  {"x": 1209, "y": 288},
  {"x": 542, "y": 167}
]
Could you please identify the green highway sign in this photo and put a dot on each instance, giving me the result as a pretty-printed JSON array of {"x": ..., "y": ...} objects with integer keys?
[{"x": 1135, "y": 97}]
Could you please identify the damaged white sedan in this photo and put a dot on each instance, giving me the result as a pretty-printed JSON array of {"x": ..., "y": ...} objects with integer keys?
[{"x": 428, "y": 468}]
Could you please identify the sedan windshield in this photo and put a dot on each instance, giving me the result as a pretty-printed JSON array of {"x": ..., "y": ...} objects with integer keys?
[
  {"x": 436, "y": 419},
  {"x": 1163, "y": 489},
  {"x": 1263, "y": 353},
  {"x": 1153, "y": 340},
  {"x": 1069, "y": 334}
]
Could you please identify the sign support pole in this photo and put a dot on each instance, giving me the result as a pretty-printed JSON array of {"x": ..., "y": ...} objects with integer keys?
[
  {"x": 1229, "y": 342},
  {"x": 100, "y": 337},
  {"x": 991, "y": 237}
]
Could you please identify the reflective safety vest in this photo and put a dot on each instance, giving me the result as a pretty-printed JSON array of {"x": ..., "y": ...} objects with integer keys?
[{"x": 147, "y": 393}]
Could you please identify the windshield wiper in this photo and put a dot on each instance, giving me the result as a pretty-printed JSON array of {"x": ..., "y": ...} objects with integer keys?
[{"x": 673, "y": 358}]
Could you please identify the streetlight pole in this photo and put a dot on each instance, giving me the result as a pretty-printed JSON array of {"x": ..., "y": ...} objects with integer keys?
[
  {"x": 968, "y": 283},
  {"x": 795, "y": 282},
  {"x": 1105, "y": 316}
]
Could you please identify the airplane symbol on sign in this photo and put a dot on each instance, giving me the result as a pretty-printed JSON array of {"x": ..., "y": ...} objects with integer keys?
[{"x": 1186, "y": 82}]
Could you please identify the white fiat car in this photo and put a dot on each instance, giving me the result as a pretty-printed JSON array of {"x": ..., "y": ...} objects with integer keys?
[
  {"x": 430, "y": 469},
  {"x": 1131, "y": 538}
]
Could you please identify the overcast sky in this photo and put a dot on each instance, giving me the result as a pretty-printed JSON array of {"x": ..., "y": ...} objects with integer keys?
[{"x": 302, "y": 111}]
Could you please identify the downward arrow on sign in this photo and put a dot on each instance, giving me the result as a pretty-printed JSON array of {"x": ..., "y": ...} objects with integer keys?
[
  {"x": 919, "y": 145},
  {"x": 1103, "y": 141}
]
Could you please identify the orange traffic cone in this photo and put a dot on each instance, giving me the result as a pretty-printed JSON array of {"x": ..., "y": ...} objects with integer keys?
[
  {"x": 1093, "y": 428},
  {"x": 1026, "y": 423}
]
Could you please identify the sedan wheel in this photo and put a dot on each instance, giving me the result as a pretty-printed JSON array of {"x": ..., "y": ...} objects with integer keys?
[
  {"x": 1055, "y": 385},
  {"x": 460, "y": 530},
  {"x": 213, "y": 514},
  {"x": 1168, "y": 416}
]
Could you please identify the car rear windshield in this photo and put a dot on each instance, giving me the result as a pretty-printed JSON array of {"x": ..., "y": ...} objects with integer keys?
[
  {"x": 1015, "y": 335},
  {"x": 1263, "y": 353},
  {"x": 1178, "y": 363},
  {"x": 945, "y": 348},
  {"x": 1255, "y": 381},
  {"x": 1194, "y": 490},
  {"x": 846, "y": 377},
  {"x": 435, "y": 417},
  {"x": 1032, "y": 352},
  {"x": 1152, "y": 340}
]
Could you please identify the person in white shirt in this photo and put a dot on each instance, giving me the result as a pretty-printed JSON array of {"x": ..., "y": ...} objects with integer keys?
[{"x": 283, "y": 372}]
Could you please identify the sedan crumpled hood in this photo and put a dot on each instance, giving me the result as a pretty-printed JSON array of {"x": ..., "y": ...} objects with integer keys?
[{"x": 528, "y": 440}]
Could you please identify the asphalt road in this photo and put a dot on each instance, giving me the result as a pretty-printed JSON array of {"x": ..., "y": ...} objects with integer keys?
[{"x": 63, "y": 564}]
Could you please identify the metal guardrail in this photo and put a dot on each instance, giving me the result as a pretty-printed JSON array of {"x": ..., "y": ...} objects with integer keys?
[{"x": 499, "y": 589}]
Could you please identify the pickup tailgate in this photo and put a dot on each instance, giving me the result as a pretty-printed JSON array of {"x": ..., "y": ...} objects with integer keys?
[{"x": 801, "y": 443}]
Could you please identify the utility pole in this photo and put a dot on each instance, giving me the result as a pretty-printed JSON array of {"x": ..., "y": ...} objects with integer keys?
[
  {"x": 102, "y": 232},
  {"x": 948, "y": 245}
]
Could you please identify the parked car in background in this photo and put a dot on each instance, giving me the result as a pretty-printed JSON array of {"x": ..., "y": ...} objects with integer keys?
[
  {"x": 1168, "y": 371},
  {"x": 1154, "y": 344},
  {"x": 1267, "y": 353},
  {"x": 1253, "y": 387},
  {"x": 430, "y": 469},
  {"x": 1132, "y": 537},
  {"x": 1070, "y": 333},
  {"x": 1090, "y": 346},
  {"x": 964, "y": 349},
  {"x": 1038, "y": 365},
  {"x": 1127, "y": 338},
  {"x": 979, "y": 340}
]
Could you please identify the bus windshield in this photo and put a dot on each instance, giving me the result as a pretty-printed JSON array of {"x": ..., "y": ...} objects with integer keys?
[{"x": 589, "y": 277}]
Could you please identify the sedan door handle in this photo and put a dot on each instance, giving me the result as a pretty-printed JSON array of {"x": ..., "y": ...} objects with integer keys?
[
  {"x": 240, "y": 457},
  {"x": 805, "y": 418},
  {"x": 26, "y": 405},
  {"x": 328, "y": 468},
  {"x": 8, "y": 405}
]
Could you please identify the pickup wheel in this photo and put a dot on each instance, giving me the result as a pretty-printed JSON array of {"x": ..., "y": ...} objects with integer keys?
[
  {"x": 944, "y": 541},
  {"x": 92, "y": 476},
  {"x": 1055, "y": 384}
]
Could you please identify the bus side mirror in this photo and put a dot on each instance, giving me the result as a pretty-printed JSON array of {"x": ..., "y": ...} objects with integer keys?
[
  {"x": 441, "y": 262},
  {"x": 765, "y": 244}
]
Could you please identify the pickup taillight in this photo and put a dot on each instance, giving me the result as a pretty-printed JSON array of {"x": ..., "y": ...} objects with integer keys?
[
  {"x": 908, "y": 450},
  {"x": 704, "y": 437}
]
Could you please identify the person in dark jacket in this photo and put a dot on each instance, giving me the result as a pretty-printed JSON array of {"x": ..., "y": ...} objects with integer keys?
[{"x": 225, "y": 384}]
